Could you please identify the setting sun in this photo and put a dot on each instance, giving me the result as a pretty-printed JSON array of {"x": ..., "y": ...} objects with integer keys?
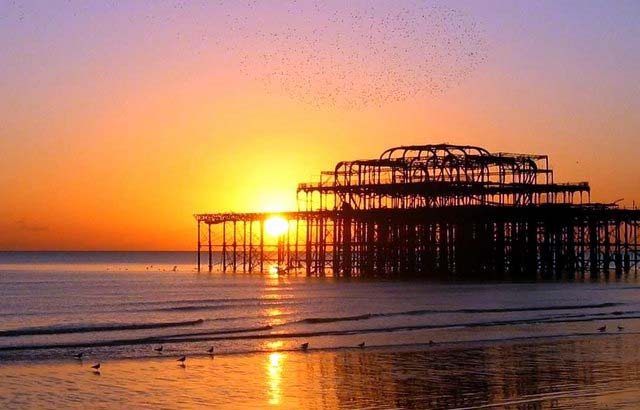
[{"x": 276, "y": 226}]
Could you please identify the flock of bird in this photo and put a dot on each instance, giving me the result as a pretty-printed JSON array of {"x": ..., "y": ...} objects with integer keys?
[
  {"x": 603, "y": 329},
  {"x": 318, "y": 52},
  {"x": 358, "y": 53},
  {"x": 182, "y": 359},
  {"x": 303, "y": 347}
]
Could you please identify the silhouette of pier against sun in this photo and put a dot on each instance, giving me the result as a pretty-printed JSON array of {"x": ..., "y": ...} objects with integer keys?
[{"x": 432, "y": 211}]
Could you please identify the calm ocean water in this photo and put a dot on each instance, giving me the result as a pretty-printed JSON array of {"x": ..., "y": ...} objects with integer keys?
[{"x": 112, "y": 305}]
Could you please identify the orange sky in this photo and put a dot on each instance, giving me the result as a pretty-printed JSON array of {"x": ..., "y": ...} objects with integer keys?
[{"x": 109, "y": 144}]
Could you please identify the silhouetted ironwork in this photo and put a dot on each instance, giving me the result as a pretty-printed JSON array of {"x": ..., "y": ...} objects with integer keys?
[{"x": 433, "y": 211}]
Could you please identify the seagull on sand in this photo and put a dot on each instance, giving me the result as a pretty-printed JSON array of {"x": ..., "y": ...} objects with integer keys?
[
  {"x": 620, "y": 328},
  {"x": 361, "y": 345},
  {"x": 210, "y": 350},
  {"x": 182, "y": 359},
  {"x": 603, "y": 328},
  {"x": 158, "y": 349},
  {"x": 304, "y": 346},
  {"x": 79, "y": 355},
  {"x": 96, "y": 367}
]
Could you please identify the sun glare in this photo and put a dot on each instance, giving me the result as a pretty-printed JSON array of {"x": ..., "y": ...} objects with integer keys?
[{"x": 276, "y": 226}]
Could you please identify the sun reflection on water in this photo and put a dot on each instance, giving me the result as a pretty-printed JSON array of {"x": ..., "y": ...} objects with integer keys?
[
  {"x": 274, "y": 345},
  {"x": 274, "y": 367},
  {"x": 274, "y": 316},
  {"x": 274, "y": 272}
]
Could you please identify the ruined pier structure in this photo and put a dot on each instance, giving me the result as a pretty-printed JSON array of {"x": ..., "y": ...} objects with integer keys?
[{"x": 432, "y": 211}]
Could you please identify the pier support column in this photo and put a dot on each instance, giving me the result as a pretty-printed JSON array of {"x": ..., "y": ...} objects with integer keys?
[
  {"x": 307, "y": 248},
  {"x": 210, "y": 253},
  {"x": 606, "y": 258},
  {"x": 593, "y": 249},
  {"x": 499, "y": 249},
  {"x": 346, "y": 245},
  {"x": 224, "y": 247},
  {"x": 250, "y": 246},
  {"x": 198, "y": 246},
  {"x": 235, "y": 254},
  {"x": 261, "y": 246}
]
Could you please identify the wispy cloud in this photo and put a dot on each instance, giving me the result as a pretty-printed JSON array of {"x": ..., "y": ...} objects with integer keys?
[{"x": 30, "y": 226}]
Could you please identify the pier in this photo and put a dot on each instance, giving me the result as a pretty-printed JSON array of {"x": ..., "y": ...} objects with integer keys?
[{"x": 431, "y": 211}]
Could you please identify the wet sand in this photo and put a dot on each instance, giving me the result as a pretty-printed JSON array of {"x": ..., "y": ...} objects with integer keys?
[{"x": 593, "y": 372}]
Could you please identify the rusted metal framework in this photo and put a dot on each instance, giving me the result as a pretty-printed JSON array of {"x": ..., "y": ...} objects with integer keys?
[{"x": 433, "y": 211}]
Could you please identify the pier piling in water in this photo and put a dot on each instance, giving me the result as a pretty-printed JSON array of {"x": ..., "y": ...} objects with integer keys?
[{"x": 433, "y": 211}]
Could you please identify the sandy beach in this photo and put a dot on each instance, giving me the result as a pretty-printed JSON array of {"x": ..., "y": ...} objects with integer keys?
[{"x": 595, "y": 372}]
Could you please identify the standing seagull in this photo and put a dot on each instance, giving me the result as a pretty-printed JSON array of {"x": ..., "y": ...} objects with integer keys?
[
  {"x": 158, "y": 349},
  {"x": 620, "y": 328},
  {"x": 96, "y": 367},
  {"x": 210, "y": 350},
  {"x": 603, "y": 328},
  {"x": 182, "y": 359},
  {"x": 78, "y": 356},
  {"x": 361, "y": 345},
  {"x": 304, "y": 346}
]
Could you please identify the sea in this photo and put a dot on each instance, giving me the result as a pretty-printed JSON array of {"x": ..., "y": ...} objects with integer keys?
[
  {"x": 375, "y": 344},
  {"x": 127, "y": 304}
]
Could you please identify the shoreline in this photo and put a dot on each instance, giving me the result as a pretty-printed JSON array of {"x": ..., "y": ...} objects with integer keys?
[
  {"x": 567, "y": 373},
  {"x": 448, "y": 346}
]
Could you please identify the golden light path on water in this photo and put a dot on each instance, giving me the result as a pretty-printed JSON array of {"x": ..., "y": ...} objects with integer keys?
[
  {"x": 275, "y": 365},
  {"x": 275, "y": 361},
  {"x": 274, "y": 316}
]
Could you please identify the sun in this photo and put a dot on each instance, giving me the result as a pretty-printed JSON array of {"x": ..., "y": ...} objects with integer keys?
[{"x": 276, "y": 226}]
